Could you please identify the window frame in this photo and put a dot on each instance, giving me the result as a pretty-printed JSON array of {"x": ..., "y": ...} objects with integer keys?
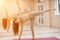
[{"x": 57, "y": 7}]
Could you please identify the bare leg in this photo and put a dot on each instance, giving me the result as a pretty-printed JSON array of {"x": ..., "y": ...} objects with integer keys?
[
  {"x": 8, "y": 26},
  {"x": 21, "y": 31},
  {"x": 32, "y": 30}
]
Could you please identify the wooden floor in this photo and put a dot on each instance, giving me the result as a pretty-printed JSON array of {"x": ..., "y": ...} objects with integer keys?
[{"x": 40, "y": 32}]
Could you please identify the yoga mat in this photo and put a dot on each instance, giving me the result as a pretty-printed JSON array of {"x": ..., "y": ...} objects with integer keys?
[{"x": 49, "y": 38}]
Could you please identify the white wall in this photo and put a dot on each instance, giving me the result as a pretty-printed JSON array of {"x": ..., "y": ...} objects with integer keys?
[
  {"x": 55, "y": 18},
  {"x": 50, "y": 19}
]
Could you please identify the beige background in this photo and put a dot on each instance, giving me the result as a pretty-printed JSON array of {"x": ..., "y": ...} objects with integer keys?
[{"x": 50, "y": 19}]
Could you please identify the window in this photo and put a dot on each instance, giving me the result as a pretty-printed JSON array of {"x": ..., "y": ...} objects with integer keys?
[
  {"x": 57, "y": 7},
  {"x": 40, "y": 8},
  {"x": 38, "y": 1}
]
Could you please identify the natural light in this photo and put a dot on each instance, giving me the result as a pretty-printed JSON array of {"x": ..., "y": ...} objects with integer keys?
[
  {"x": 2, "y": 2},
  {"x": 57, "y": 7}
]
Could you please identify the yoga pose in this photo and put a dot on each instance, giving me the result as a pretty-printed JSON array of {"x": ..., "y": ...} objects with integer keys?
[{"x": 23, "y": 18}]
